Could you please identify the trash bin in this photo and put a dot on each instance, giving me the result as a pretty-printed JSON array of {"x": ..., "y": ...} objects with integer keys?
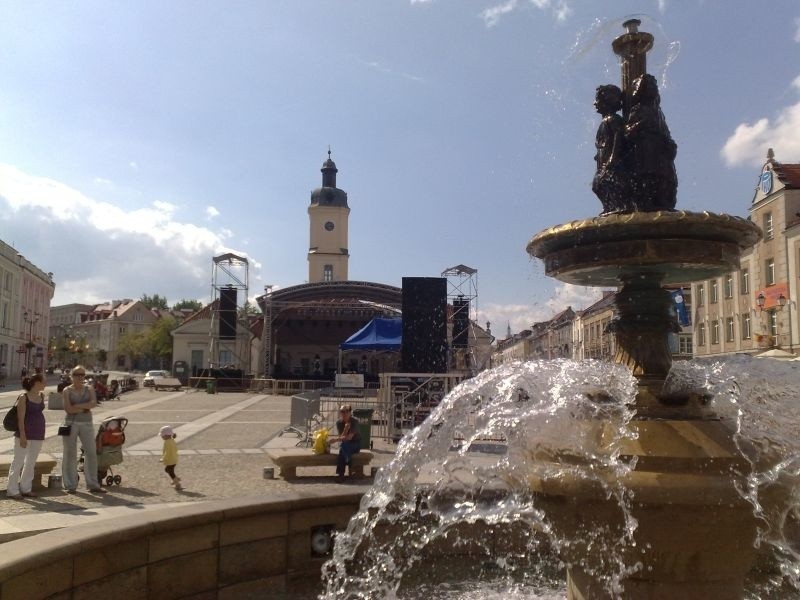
[
  {"x": 211, "y": 386},
  {"x": 364, "y": 416}
]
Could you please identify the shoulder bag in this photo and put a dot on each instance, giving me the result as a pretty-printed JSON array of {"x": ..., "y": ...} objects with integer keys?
[{"x": 11, "y": 420}]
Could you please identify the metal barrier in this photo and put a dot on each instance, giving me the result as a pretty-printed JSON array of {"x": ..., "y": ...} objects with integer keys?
[
  {"x": 329, "y": 410},
  {"x": 286, "y": 387},
  {"x": 305, "y": 413}
]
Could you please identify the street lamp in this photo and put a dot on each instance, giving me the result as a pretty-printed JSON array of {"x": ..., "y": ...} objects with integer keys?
[
  {"x": 781, "y": 301},
  {"x": 30, "y": 320},
  {"x": 760, "y": 300}
]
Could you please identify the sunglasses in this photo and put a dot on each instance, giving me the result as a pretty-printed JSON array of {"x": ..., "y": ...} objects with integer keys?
[{"x": 79, "y": 374}]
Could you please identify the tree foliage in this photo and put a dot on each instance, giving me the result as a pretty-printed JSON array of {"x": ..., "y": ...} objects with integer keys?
[
  {"x": 133, "y": 344},
  {"x": 154, "y": 301},
  {"x": 159, "y": 339},
  {"x": 195, "y": 305}
]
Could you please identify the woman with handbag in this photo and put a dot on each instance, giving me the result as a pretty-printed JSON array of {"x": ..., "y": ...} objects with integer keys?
[
  {"x": 28, "y": 438},
  {"x": 79, "y": 400}
]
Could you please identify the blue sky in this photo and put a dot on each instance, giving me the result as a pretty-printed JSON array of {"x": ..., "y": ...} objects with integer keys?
[{"x": 139, "y": 139}]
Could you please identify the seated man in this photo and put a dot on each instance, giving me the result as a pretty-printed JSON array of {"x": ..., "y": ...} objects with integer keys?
[{"x": 349, "y": 436}]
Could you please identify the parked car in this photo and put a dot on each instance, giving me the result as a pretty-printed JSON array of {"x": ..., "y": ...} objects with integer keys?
[{"x": 150, "y": 376}]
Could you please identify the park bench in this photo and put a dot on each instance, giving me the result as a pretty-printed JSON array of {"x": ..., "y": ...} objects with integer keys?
[
  {"x": 44, "y": 466},
  {"x": 288, "y": 459},
  {"x": 167, "y": 383}
]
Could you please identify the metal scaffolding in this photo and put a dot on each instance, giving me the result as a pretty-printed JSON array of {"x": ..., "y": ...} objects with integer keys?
[
  {"x": 229, "y": 281},
  {"x": 462, "y": 297}
]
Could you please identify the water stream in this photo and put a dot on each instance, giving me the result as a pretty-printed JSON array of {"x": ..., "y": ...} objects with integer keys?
[{"x": 454, "y": 516}]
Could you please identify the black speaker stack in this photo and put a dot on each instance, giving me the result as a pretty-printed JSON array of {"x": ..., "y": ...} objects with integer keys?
[
  {"x": 460, "y": 323},
  {"x": 424, "y": 347},
  {"x": 227, "y": 313}
]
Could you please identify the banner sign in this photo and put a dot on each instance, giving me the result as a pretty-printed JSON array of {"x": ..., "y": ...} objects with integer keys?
[{"x": 349, "y": 380}]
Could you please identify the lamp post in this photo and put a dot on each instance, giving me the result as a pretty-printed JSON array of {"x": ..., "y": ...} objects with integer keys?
[
  {"x": 30, "y": 320},
  {"x": 761, "y": 300}
]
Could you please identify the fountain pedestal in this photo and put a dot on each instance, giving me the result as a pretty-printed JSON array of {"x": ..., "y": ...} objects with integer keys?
[{"x": 688, "y": 532}]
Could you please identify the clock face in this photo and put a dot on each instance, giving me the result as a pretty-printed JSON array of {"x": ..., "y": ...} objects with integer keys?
[{"x": 329, "y": 226}]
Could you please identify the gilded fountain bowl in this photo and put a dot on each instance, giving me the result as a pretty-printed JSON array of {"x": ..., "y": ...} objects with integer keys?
[{"x": 670, "y": 246}]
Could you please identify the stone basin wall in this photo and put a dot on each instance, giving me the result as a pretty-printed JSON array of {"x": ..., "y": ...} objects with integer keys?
[{"x": 253, "y": 547}]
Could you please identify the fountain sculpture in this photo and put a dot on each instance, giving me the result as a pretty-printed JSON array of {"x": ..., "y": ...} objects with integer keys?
[
  {"x": 640, "y": 490},
  {"x": 698, "y": 530}
]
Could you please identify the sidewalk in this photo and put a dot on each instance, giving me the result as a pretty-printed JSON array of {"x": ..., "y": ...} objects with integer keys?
[{"x": 222, "y": 457}]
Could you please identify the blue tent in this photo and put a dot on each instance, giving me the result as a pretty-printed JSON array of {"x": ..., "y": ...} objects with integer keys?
[{"x": 378, "y": 334}]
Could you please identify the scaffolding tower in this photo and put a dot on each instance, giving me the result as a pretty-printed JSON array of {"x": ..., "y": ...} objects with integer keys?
[
  {"x": 462, "y": 297},
  {"x": 230, "y": 336}
]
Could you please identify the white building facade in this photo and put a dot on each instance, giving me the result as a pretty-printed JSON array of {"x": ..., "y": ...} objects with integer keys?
[
  {"x": 754, "y": 308},
  {"x": 25, "y": 294}
]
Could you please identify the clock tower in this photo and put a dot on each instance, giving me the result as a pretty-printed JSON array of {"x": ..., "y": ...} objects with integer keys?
[{"x": 327, "y": 216}]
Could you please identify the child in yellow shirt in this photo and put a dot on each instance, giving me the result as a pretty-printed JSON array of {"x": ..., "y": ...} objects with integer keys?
[{"x": 169, "y": 455}]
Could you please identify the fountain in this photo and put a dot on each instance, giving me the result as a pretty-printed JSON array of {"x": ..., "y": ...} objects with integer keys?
[{"x": 634, "y": 487}]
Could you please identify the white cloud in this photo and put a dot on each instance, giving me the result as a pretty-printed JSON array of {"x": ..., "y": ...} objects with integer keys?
[
  {"x": 749, "y": 143},
  {"x": 560, "y": 8},
  {"x": 211, "y": 212},
  {"x": 797, "y": 32},
  {"x": 662, "y": 6},
  {"x": 522, "y": 316},
  {"x": 492, "y": 15},
  {"x": 99, "y": 251},
  {"x": 375, "y": 65},
  {"x": 133, "y": 166}
]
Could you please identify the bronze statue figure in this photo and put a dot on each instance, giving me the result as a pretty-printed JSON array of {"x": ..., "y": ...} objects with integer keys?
[
  {"x": 609, "y": 180},
  {"x": 635, "y": 156},
  {"x": 652, "y": 149}
]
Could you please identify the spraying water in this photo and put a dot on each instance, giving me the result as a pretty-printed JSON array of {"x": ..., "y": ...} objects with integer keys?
[{"x": 457, "y": 503}]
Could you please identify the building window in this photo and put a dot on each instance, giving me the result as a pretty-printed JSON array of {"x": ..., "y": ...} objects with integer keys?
[
  {"x": 701, "y": 294},
  {"x": 769, "y": 274},
  {"x": 225, "y": 358},
  {"x": 746, "y": 327},
  {"x": 122, "y": 330},
  {"x": 715, "y": 332},
  {"x": 730, "y": 329},
  {"x": 8, "y": 280},
  {"x": 768, "y": 230},
  {"x": 327, "y": 273},
  {"x": 729, "y": 285},
  {"x": 773, "y": 324},
  {"x": 744, "y": 282},
  {"x": 684, "y": 343},
  {"x": 713, "y": 292},
  {"x": 701, "y": 335}
]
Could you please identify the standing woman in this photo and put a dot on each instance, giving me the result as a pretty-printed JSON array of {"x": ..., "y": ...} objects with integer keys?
[
  {"x": 79, "y": 400},
  {"x": 29, "y": 439}
]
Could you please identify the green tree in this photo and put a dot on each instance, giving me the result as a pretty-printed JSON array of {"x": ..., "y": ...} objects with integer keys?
[
  {"x": 248, "y": 309},
  {"x": 154, "y": 301},
  {"x": 159, "y": 340},
  {"x": 195, "y": 305},
  {"x": 133, "y": 344}
]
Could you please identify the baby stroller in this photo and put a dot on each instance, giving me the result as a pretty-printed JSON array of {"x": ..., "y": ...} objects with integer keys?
[{"x": 108, "y": 442}]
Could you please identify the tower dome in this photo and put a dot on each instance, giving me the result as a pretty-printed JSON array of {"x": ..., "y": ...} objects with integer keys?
[{"x": 329, "y": 194}]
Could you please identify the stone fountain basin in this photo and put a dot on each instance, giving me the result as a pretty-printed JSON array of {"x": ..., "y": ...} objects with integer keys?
[{"x": 673, "y": 246}]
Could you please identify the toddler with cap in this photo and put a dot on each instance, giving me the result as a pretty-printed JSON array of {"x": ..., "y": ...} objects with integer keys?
[{"x": 169, "y": 455}]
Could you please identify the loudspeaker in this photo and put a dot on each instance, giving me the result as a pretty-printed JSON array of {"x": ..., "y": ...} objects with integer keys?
[
  {"x": 424, "y": 347},
  {"x": 227, "y": 313},
  {"x": 460, "y": 323}
]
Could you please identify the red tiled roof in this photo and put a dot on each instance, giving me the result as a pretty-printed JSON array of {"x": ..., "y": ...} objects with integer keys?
[{"x": 789, "y": 174}]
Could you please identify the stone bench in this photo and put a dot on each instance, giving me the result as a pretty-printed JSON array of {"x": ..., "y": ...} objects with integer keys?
[
  {"x": 44, "y": 466},
  {"x": 166, "y": 383},
  {"x": 287, "y": 460}
]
